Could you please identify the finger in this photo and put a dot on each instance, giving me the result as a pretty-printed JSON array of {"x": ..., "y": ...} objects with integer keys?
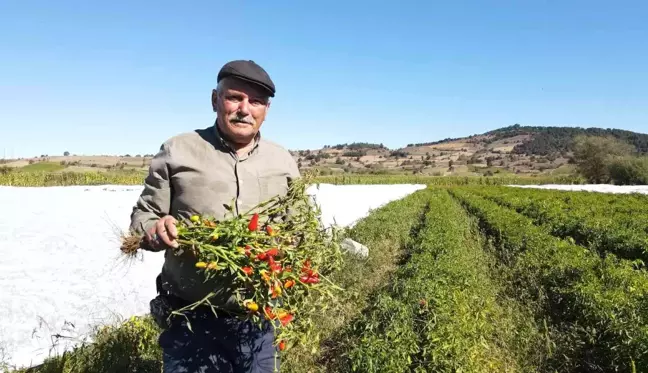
[
  {"x": 171, "y": 228},
  {"x": 164, "y": 237},
  {"x": 164, "y": 234},
  {"x": 150, "y": 235},
  {"x": 158, "y": 234}
]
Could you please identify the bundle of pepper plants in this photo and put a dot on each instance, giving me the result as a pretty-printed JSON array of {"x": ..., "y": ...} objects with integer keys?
[{"x": 278, "y": 257}]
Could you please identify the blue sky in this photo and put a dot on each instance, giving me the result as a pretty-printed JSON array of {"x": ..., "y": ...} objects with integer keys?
[{"x": 121, "y": 77}]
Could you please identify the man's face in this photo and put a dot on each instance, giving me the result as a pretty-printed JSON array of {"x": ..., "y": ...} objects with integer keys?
[{"x": 241, "y": 109}]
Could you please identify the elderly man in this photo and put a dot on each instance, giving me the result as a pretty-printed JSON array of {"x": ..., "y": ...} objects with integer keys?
[{"x": 200, "y": 172}]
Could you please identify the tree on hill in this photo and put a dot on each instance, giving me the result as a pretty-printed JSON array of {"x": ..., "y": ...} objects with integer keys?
[
  {"x": 66, "y": 154},
  {"x": 593, "y": 154},
  {"x": 354, "y": 153}
]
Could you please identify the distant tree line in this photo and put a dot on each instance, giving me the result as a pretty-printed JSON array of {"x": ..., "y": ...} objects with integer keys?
[
  {"x": 553, "y": 140},
  {"x": 356, "y": 146},
  {"x": 447, "y": 139}
]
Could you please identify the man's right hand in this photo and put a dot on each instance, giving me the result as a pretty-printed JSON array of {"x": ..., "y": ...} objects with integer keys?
[{"x": 163, "y": 234}]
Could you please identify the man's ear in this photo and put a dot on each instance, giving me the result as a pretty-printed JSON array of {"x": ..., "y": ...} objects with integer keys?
[
  {"x": 214, "y": 100},
  {"x": 268, "y": 105}
]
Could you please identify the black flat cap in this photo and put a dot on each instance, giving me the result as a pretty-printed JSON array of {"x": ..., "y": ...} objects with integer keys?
[{"x": 249, "y": 71}]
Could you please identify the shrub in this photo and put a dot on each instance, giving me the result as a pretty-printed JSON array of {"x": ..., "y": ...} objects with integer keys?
[{"x": 629, "y": 171}]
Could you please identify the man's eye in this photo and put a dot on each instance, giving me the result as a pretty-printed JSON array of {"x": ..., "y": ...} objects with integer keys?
[
  {"x": 260, "y": 101},
  {"x": 233, "y": 98}
]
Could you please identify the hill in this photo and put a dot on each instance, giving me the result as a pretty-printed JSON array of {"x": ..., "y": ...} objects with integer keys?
[
  {"x": 509, "y": 150},
  {"x": 515, "y": 149}
]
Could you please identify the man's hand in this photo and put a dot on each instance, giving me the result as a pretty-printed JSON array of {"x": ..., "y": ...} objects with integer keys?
[{"x": 163, "y": 234}]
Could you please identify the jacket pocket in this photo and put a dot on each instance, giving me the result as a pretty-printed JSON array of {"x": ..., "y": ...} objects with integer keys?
[{"x": 272, "y": 185}]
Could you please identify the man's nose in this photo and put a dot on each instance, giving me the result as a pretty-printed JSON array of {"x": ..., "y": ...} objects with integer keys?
[{"x": 244, "y": 107}]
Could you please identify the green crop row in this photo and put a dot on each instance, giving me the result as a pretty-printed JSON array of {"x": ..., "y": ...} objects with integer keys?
[
  {"x": 40, "y": 179},
  {"x": 130, "y": 346},
  {"x": 443, "y": 311},
  {"x": 448, "y": 180},
  {"x": 386, "y": 232},
  {"x": 595, "y": 308},
  {"x": 597, "y": 221},
  {"x": 43, "y": 179},
  {"x": 597, "y": 203}
]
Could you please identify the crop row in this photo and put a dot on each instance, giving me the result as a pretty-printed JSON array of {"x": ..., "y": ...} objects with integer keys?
[
  {"x": 42, "y": 179},
  {"x": 39, "y": 179},
  {"x": 387, "y": 232},
  {"x": 596, "y": 203},
  {"x": 443, "y": 311},
  {"x": 447, "y": 180},
  {"x": 594, "y": 220},
  {"x": 595, "y": 308}
]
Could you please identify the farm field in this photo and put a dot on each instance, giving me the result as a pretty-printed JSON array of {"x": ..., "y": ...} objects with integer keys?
[
  {"x": 468, "y": 277},
  {"x": 62, "y": 277},
  {"x": 40, "y": 178}
]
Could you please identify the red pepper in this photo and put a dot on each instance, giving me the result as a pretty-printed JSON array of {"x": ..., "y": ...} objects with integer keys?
[
  {"x": 268, "y": 312},
  {"x": 288, "y": 284},
  {"x": 254, "y": 222},
  {"x": 282, "y": 345},
  {"x": 306, "y": 269},
  {"x": 273, "y": 252},
  {"x": 286, "y": 319},
  {"x": 310, "y": 279},
  {"x": 247, "y": 270},
  {"x": 269, "y": 230},
  {"x": 275, "y": 267},
  {"x": 261, "y": 256}
]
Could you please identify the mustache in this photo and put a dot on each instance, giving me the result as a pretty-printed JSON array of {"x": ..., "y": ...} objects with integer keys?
[{"x": 236, "y": 119}]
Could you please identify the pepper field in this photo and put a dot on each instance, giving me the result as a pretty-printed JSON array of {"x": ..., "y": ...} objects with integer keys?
[{"x": 464, "y": 278}]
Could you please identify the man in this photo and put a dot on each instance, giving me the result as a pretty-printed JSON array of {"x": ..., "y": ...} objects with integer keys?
[{"x": 200, "y": 172}]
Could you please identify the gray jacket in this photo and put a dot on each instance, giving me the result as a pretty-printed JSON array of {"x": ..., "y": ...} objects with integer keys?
[{"x": 197, "y": 173}]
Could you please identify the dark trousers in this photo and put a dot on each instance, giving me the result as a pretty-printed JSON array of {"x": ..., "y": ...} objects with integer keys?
[{"x": 222, "y": 344}]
